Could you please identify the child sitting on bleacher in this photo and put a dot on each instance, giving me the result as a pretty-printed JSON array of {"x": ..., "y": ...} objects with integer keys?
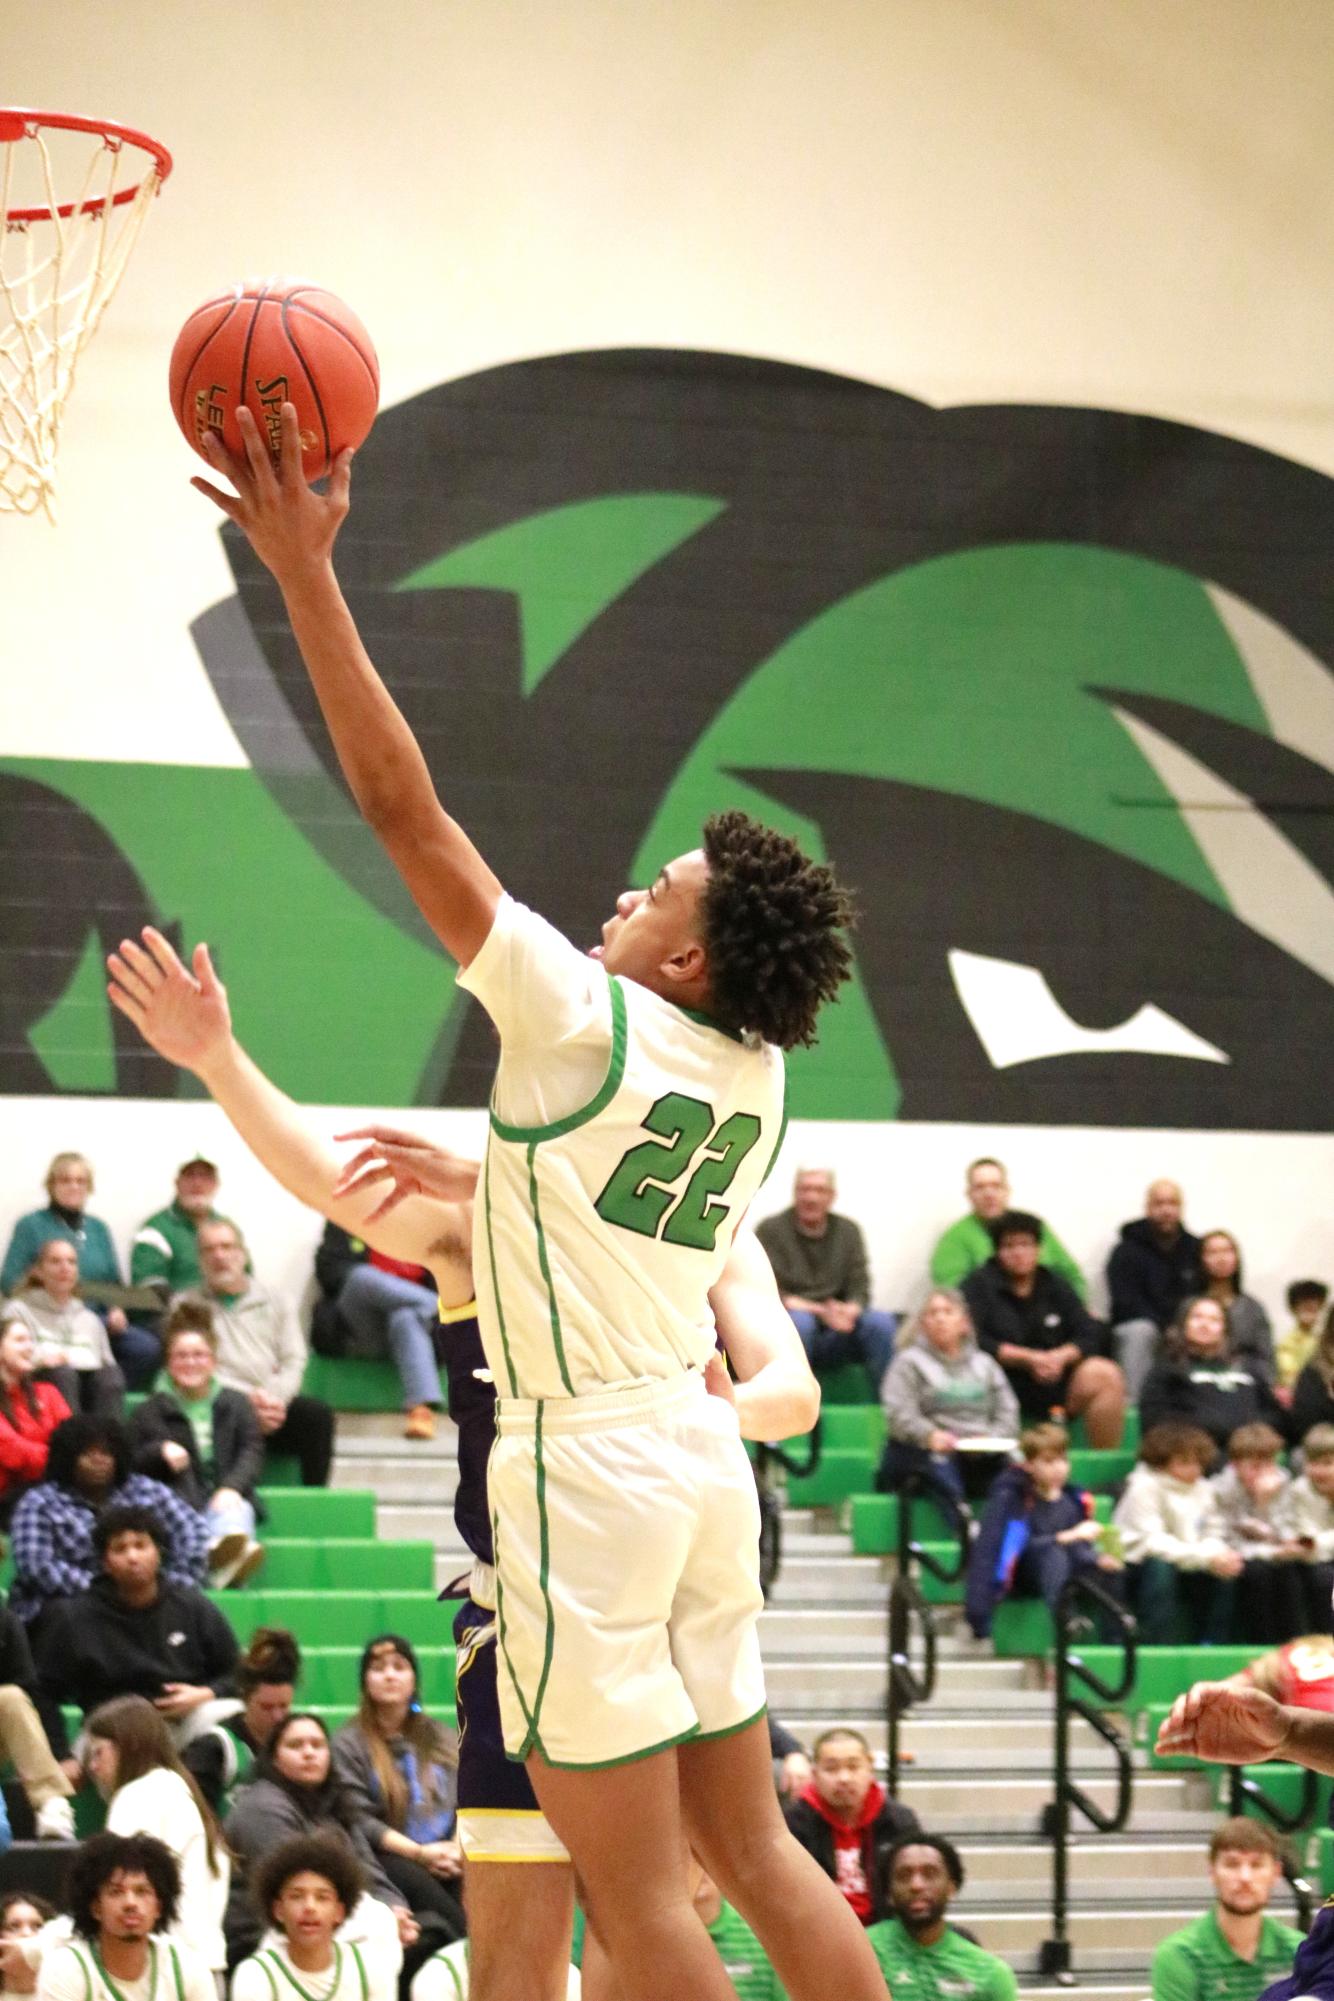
[
  {"x": 1253, "y": 1498},
  {"x": 1036, "y": 1531},
  {"x": 1180, "y": 1568},
  {"x": 1311, "y": 1521}
]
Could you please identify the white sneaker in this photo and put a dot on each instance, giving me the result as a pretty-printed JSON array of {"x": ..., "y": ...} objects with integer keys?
[
  {"x": 55, "y": 1820},
  {"x": 242, "y": 1565}
]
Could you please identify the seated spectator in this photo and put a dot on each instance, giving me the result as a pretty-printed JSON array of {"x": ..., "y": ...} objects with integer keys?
[
  {"x": 1248, "y": 1325},
  {"x": 968, "y": 1243},
  {"x": 1313, "y": 1392},
  {"x": 1038, "y": 1330},
  {"x": 792, "y": 1762},
  {"x": 304, "y": 1889},
  {"x": 265, "y": 1679},
  {"x": 133, "y": 1763},
  {"x": 1155, "y": 1265},
  {"x": 1253, "y": 1498},
  {"x": 165, "y": 1251},
  {"x": 87, "y": 1472},
  {"x": 1310, "y": 1521},
  {"x": 819, "y": 1261},
  {"x": 847, "y": 1821},
  {"x": 920, "y": 1952},
  {"x": 261, "y": 1351},
  {"x": 1307, "y": 1300},
  {"x": 22, "y": 1918},
  {"x": 29, "y": 1412},
  {"x": 23, "y": 1741},
  {"x": 1036, "y": 1531},
  {"x": 941, "y": 1389},
  {"x": 1236, "y": 1948},
  {"x": 203, "y": 1441},
  {"x": 73, "y": 1347},
  {"x": 1180, "y": 1571},
  {"x": 134, "y": 1633},
  {"x": 69, "y": 1183},
  {"x": 296, "y": 1791},
  {"x": 399, "y": 1773},
  {"x": 124, "y": 1899},
  {"x": 391, "y": 1308},
  {"x": 1199, "y": 1381}
]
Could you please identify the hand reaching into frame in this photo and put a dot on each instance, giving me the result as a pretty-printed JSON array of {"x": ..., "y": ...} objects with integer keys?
[
  {"x": 409, "y": 1164},
  {"x": 183, "y": 1014},
  {"x": 290, "y": 526}
]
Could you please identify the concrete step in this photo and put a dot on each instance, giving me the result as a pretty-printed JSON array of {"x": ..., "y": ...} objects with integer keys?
[
  {"x": 1109, "y": 1868},
  {"x": 837, "y": 1579},
  {"x": 1109, "y": 1937}
]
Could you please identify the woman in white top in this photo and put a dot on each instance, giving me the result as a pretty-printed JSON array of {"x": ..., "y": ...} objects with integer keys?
[
  {"x": 73, "y": 1347},
  {"x": 304, "y": 1890},
  {"x": 134, "y": 1765}
]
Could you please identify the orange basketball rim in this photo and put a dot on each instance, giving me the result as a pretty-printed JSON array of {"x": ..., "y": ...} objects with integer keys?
[{"x": 74, "y": 193}]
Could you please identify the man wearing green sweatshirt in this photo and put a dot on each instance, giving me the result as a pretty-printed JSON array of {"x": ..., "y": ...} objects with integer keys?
[{"x": 967, "y": 1243}]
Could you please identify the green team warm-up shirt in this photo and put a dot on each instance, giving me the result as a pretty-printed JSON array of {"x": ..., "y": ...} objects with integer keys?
[
  {"x": 1198, "y": 1964},
  {"x": 953, "y": 1969}
]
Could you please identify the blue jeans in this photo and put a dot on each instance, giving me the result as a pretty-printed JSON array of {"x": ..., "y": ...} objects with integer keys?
[
  {"x": 236, "y": 1518},
  {"x": 871, "y": 1342},
  {"x": 393, "y": 1314}
]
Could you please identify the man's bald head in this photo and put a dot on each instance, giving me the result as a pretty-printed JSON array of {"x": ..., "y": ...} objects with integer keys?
[{"x": 1163, "y": 1205}]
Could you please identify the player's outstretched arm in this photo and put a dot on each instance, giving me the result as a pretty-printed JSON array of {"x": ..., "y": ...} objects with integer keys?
[
  {"x": 184, "y": 1015},
  {"x": 1238, "y": 1726},
  {"x": 775, "y": 1393},
  {"x": 292, "y": 530}
]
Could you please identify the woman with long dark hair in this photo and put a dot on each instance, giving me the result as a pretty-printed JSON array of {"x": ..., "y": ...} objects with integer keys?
[
  {"x": 1248, "y": 1324},
  {"x": 296, "y": 1791},
  {"x": 399, "y": 1768},
  {"x": 29, "y": 1412},
  {"x": 135, "y": 1766},
  {"x": 1200, "y": 1381}
]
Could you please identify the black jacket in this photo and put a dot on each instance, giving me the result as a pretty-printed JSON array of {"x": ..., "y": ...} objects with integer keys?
[
  {"x": 1052, "y": 1314},
  {"x": 816, "y": 1836},
  {"x": 1217, "y": 1396},
  {"x": 1147, "y": 1279},
  {"x": 95, "y": 1646},
  {"x": 338, "y": 1253},
  {"x": 238, "y": 1445}
]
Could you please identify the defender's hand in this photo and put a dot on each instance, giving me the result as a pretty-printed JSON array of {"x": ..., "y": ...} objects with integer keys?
[
  {"x": 408, "y": 1164},
  {"x": 1231, "y": 1726},
  {"x": 290, "y": 527},
  {"x": 182, "y": 1014}
]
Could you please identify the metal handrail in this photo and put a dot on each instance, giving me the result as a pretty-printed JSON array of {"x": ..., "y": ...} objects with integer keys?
[
  {"x": 1242, "y": 1788},
  {"x": 904, "y": 1687},
  {"x": 797, "y": 1468},
  {"x": 1054, "y": 1959}
]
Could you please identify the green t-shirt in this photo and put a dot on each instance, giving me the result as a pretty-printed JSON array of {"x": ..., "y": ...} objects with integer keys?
[
  {"x": 1198, "y": 1964},
  {"x": 953, "y": 1969},
  {"x": 967, "y": 1244},
  {"x": 738, "y": 1948},
  {"x": 199, "y": 1410}
]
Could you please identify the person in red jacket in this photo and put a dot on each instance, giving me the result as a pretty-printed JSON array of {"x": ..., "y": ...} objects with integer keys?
[
  {"x": 847, "y": 1821},
  {"x": 29, "y": 1413}
]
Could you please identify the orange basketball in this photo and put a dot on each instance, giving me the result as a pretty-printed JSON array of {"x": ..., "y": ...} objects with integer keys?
[{"x": 271, "y": 341}]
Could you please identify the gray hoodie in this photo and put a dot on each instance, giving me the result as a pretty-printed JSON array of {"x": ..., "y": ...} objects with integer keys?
[{"x": 924, "y": 1391}]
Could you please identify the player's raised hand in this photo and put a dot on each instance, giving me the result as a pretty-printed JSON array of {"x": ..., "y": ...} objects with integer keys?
[
  {"x": 1231, "y": 1726},
  {"x": 403, "y": 1164},
  {"x": 290, "y": 526},
  {"x": 183, "y": 1014}
]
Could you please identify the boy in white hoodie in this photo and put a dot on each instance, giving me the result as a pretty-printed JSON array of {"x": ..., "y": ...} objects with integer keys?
[
  {"x": 1180, "y": 1568},
  {"x": 1254, "y": 1495},
  {"x": 1310, "y": 1520}
]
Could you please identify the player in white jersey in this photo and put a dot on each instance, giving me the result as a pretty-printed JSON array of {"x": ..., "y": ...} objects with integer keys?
[
  {"x": 617, "y": 1174},
  {"x": 518, "y": 1883},
  {"x": 304, "y": 1889},
  {"x": 123, "y": 1891}
]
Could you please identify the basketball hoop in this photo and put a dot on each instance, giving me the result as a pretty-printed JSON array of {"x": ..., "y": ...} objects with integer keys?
[{"x": 73, "y": 195}]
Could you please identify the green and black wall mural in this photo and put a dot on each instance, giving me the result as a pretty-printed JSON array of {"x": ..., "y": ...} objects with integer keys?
[{"x": 1052, "y": 686}]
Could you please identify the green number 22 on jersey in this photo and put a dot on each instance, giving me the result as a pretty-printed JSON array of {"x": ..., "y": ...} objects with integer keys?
[{"x": 644, "y": 1188}]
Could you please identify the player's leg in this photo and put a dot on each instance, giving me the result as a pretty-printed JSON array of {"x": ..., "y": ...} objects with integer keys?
[
  {"x": 518, "y": 1887},
  {"x": 520, "y": 1919},
  {"x": 735, "y": 1825},
  {"x": 622, "y": 1827}
]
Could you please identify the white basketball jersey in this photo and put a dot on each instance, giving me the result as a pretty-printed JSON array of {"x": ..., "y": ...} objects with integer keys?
[{"x": 599, "y": 1234}]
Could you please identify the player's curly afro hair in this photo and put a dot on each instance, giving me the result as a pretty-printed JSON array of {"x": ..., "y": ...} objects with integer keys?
[{"x": 774, "y": 927}]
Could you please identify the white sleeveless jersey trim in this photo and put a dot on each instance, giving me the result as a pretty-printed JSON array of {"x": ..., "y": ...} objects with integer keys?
[{"x": 600, "y": 1235}]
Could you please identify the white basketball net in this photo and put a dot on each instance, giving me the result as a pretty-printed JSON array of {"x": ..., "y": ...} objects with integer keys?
[{"x": 57, "y": 276}]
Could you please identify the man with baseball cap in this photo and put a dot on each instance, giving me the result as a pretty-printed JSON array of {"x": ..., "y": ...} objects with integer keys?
[{"x": 165, "y": 1252}]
